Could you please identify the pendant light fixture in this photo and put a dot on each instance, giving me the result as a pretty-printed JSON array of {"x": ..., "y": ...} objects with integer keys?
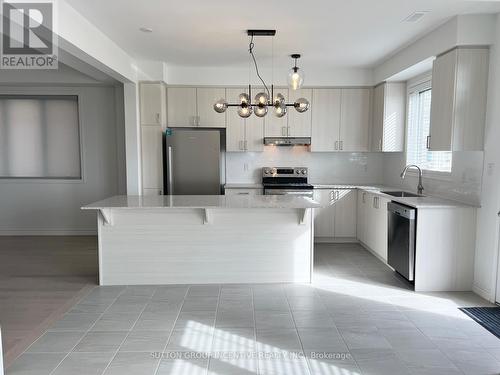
[
  {"x": 296, "y": 76},
  {"x": 265, "y": 100}
]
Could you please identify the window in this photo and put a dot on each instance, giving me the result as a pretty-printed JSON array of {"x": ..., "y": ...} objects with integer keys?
[
  {"x": 39, "y": 137},
  {"x": 419, "y": 113}
]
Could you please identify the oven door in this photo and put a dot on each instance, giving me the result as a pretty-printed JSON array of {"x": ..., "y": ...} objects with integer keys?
[{"x": 300, "y": 192}]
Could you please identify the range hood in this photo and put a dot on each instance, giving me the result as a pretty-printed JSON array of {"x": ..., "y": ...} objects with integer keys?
[{"x": 287, "y": 141}]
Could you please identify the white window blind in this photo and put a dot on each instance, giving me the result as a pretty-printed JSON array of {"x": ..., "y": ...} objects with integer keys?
[
  {"x": 419, "y": 113},
  {"x": 39, "y": 137}
]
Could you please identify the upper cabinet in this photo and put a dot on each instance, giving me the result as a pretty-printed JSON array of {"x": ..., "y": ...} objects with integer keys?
[
  {"x": 193, "y": 107},
  {"x": 340, "y": 119},
  {"x": 388, "y": 117},
  {"x": 458, "y": 106},
  {"x": 243, "y": 134},
  {"x": 153, "y": 103},
  {"x": 277, "y": 126}
]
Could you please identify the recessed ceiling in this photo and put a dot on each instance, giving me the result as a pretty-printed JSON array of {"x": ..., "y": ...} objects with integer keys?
[{"x": 337, "y": 33}]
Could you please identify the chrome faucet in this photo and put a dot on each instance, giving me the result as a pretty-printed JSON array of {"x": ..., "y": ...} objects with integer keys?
[{"x": 420, "y": 187}]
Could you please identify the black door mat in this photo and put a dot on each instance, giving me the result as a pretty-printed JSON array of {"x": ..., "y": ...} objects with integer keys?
[{"x": 488, "y": 317}]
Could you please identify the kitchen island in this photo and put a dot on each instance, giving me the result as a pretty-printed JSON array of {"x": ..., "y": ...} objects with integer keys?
[{"x": 199, "y": 239}]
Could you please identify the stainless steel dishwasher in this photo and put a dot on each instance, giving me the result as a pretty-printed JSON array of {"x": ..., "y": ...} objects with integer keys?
[{"x": 401, "y": 239}]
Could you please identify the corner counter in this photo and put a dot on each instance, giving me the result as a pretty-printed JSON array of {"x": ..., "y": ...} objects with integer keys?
[{"x": 204, "y": 239}]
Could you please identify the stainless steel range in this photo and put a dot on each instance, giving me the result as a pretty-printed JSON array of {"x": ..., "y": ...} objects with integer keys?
[{"x": 286, "y": 181}]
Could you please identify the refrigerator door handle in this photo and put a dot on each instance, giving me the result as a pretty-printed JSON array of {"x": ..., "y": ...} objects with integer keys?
[{"x": 170, "y": 181}]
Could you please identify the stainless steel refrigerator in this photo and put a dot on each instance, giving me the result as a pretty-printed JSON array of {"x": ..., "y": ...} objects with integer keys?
[{"x": 192, "y": 162}]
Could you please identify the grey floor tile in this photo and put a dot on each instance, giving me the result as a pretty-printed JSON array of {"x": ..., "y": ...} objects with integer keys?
[
  {"x": 274, "y": 320},
  {"x": 384, "y": 366},
  {"x": 170, "y": 293},
  {"x": 200, "y": 304},
  {"x": 328, "y": 366},
  {"x": 133, "y": 364},
  {"x": 271, "y": 304},
  {"x": 322, "y": 340},
  {"x": 283, "y": 367},
  {"x": 101, "y": 341},
  {"x": 277, "y": 340},
  {"x": 155, "y": 321},
  {"x": 234, "y": 340},
  {"x": 203, "y": 291},
  {"x": 476, "y": 361},
  {"x": 84, "y": 364},
  {"x": 425, "y": 358},
  {"x": 164, "y": 307},
  {"x": 152, "y": 341},
  {"x": 139, "y": 290},
  {"x": 197, "y": 338},
  {"x": 235, "y": 319},
  {"x": 228, "y": 304},
  {"x": 313, "y": 319},
  {"x": 364, "y": 338},
  {"x": 56, "y": 342},
  {"x": 188, "y": 318},
  {"x": 92, "y": 306},
  {"x": 35, "y": 364},
  {"x": 183, "y": 367},
  {"x": 403, "y": 339},
  {"x": 75, "y": 322},
  {"x": 116, "y": 322},
  {"x": 240, "y": 366},
  {"x": 313, "y": 303}
]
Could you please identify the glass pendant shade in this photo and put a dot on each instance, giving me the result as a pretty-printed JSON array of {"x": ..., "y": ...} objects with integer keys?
[
  {"x": 278, "y": 100},
  {"x": 243, "y": 98},
  {"x": 220, "y": 106},
  {"x": 261, "y": 98},
  {"x": 295, "y": 78},
  {"x": 301, "y": 105},
  {"x": 260, "y": 110},
  {"x": 244, "y": 111},
  {"x": 280, "y": 111}
]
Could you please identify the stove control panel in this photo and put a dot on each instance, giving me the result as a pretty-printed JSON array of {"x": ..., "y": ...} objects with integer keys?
[{"x": 284, "y": 172}]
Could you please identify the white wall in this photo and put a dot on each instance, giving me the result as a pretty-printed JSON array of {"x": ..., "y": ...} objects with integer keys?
[
  {"x": 488, "y": 223},
  {"x": 327, "y": 167},
  {"x": 53, "y": 206}
]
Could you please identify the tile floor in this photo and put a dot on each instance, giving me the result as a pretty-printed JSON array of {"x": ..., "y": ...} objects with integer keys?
[{"x": 358, "y": 317}]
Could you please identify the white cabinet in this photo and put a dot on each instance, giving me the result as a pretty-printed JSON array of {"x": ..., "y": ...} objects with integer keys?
[
  {"x": 153, "y": 103},
  {"x": 193, "y": 107},
  {"x": 299, "y": 124},
  {"x": 243, "y": 191},
  {"x": 355, "y": 120},
  {"x": 372, "y": 222},
  {"x": 152, "y": 165},
  {"x": 340, "y": 119},
  {"x": 152, "y": 116},
  {"x": 458, "y": 104},
  {"x": 243, "y": 134},
  {"x": 388, "y": 117},
  {"x": 181, "y": 105},
  {"x": 338, "y": 219},
  {"x": 325, "y": 111},
  {"x": 277, "y": 126},
  {"x": 205, "y": 100}
]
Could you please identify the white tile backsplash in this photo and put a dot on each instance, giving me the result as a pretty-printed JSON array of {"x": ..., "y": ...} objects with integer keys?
[{"x": 324, "y": 168}]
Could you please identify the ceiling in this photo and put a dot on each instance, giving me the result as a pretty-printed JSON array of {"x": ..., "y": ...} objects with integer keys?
[{"x": 340, "y": 33}]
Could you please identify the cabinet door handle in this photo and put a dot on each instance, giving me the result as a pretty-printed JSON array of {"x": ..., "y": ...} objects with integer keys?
[
  {"x": 240, "y": 145},
  {"x": 336, "y": 145},
  {"x": 341, "y": 145},
  {"x": 288, "y": 131},
  {"x": 283, "y": 131},
  {"x": 428, "y": 142},
  {"x": 245, "y": 145},
  {"x": 380, "y": 144},
  {"x": 157, "y": 118},
  {"x": 363, "y": 198}
]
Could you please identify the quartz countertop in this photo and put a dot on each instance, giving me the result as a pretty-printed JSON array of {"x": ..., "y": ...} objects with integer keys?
[
  {"x": 424, "y": 201},
  {"x": 243, "y": 186},
  {"x": 203, "y": 201}
]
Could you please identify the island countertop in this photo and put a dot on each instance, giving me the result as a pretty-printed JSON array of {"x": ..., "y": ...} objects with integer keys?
[{"x": 203, "y": 201}]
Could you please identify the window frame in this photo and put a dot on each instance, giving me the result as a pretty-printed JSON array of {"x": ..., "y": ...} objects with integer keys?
[
  {"x": 28, "y": 92},
  {"x": 419, "y": 84}
]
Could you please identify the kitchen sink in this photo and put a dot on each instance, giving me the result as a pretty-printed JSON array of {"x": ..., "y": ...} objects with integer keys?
[{"x": 401, "y": 194}]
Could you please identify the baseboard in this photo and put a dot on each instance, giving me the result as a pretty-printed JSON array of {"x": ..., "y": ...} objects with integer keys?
[
  {"x": 49, "y": 232},
  {"x": 335, "y": 240},
  {"x": 483, "y": 293}
]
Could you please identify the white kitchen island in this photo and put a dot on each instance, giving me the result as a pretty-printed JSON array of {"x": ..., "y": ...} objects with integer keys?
[{"x": 181, "y": 239}]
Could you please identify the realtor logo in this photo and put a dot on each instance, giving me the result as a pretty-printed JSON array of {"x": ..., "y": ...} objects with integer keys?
[{"x": 29, "y": 40}]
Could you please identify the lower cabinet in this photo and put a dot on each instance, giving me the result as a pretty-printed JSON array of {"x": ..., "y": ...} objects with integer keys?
[
  {"x": 372, "y": 222},
  {"x": 338, "y": 219},
  {"x": 246, "y": 191}
]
